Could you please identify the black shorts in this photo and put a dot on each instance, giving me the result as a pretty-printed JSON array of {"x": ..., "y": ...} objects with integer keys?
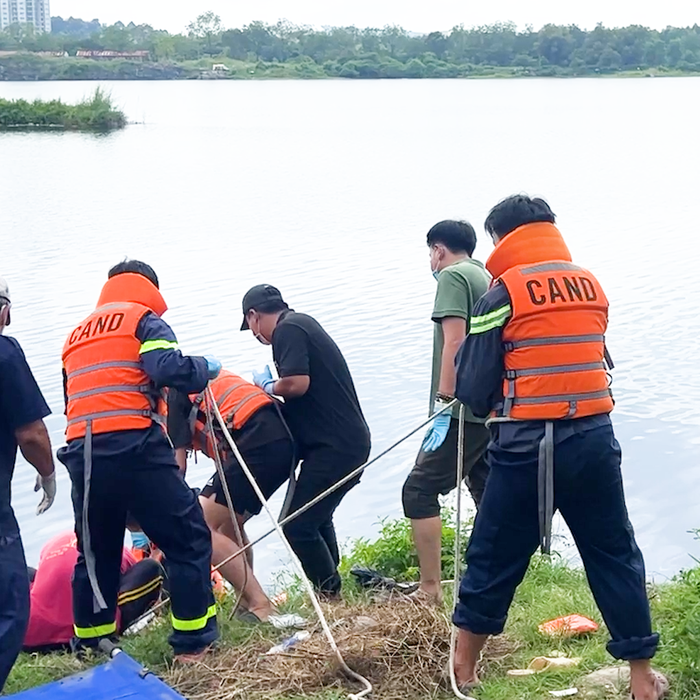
[
  {"x": 435, "y": 473},
  {"x": 270, "y": 464}
]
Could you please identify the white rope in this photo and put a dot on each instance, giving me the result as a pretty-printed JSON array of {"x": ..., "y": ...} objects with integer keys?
[
  {"x": 457, "y": 553},
  {"x": 227, "y": 493},
  {"x": 315, "y": 500},
  {"x": 295, "y": 559},
  {"x": 338, "y": 484}
]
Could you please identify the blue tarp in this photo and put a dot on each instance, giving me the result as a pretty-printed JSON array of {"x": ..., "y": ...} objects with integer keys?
[{"x": 118, "y": 679}]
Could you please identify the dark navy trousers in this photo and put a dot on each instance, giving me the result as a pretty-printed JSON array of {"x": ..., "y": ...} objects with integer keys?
[
  {"x": 312, "y": 534},
  {"x": 14, "y": 601},
  {"x": 149, "y": 487},
  {"x": 589, "y": 495}
]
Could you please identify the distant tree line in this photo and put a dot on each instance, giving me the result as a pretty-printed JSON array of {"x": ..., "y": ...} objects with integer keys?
[{"x": 390, "y": 52}]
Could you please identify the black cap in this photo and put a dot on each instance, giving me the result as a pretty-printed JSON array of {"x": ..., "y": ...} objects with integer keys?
[{"x": 256, "y": 296}]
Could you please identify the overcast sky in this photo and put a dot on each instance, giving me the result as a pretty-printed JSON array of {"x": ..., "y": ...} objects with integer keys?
[{"x": 414, "y": 15}]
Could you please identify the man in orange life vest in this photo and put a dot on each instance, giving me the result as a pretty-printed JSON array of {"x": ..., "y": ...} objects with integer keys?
[
  {"x": 262, "y": 436},
  {"x": 535, "y": 359},
  {"x": 119, "y": 459}
]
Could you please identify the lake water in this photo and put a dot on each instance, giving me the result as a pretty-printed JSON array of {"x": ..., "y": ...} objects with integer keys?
[{"x": 326, "y": 190}]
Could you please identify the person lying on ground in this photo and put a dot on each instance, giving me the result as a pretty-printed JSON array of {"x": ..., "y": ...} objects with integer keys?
[
  {"x": 326, "y": 420},
  {"x": 261, "y": 434},
  {"x": 535, "y": 359},
  {"x": 51, "y": 606}
]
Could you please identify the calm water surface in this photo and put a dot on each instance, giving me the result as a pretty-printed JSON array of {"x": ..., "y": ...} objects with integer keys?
[{"x": 326, "y": 189}]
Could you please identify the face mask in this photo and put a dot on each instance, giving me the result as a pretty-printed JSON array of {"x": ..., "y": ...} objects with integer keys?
[
  {"x": 261, "y": 340},
  {"x": 436, "y": 274}
]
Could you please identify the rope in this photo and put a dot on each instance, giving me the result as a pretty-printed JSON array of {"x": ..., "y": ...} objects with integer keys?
[
  {"x": 316, "y": 500},
  {"x": 227, "y": 493},
  {"x": 338, "y": 484},
  {"x": 294, "y": 558},
  {"x": 457, "y": 553}
]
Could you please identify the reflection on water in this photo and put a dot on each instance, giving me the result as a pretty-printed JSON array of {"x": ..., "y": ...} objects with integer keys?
[{"x": 326, "y": 189}]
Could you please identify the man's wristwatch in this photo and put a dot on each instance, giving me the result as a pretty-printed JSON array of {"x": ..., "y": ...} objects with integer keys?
[{"x": 443, "y": 399}]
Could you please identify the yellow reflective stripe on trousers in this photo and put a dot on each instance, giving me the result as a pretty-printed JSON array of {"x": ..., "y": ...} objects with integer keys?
[
  {"x": 150, "y": 345},
  {"x": 193, "y": 625},
  {"x": 94, "y": 632}
]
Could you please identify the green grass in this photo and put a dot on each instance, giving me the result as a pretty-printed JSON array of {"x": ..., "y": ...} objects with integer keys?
[
  {"x": 550, "y": 589},
  {"x": 96, "y": 113}
]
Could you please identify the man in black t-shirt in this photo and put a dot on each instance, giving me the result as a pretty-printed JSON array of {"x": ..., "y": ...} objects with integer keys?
[
  {"x": 323, "y": 412},
  {"x": 22, "y": 413}
]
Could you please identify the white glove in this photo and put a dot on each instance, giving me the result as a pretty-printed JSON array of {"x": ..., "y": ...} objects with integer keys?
[{"x": 48, "y": 483}]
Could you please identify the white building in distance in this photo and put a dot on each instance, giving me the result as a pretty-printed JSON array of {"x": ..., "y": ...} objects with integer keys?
[{"x": 35, "y": 12}]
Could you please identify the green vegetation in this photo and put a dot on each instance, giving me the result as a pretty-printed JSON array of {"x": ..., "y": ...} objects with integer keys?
[
  {"x": 550, "y": 589},
  {"x": 283, "y": 50},
  {"x": 96, "y": 113}
]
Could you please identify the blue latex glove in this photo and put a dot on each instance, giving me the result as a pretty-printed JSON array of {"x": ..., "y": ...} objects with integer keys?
[
  {"x": 213, "y": 365},
  {"x": 437, "y": 432},
  {"x": 139, "y": 540},
  {"x": 264, "y": 380}
]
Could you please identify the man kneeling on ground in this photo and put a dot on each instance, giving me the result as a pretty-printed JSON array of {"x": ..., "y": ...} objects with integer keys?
[{"x": 257, "y": 426}]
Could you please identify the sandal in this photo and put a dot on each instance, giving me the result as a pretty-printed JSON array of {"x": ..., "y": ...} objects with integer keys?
[{"x": 279, "y": 622}]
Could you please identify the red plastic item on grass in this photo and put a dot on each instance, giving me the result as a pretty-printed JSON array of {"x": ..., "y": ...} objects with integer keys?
[{"x": 569, "y": 626}]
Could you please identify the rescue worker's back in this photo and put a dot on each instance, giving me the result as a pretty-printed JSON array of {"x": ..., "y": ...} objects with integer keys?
[
  {"x": 119, "y": 458},
  {"x": 535, "y": 359}
]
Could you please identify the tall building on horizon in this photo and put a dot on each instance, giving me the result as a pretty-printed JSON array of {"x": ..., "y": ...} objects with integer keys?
[{"x": 35, "y": 12}]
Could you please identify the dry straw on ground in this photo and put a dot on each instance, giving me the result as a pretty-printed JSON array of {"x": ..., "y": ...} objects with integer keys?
[{"x": 401, "y": 647}]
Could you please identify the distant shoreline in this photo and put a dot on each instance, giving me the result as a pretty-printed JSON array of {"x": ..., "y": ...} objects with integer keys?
[{"x": 27, "y": 67}]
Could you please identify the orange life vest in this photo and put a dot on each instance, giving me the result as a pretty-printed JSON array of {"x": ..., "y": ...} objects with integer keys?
[
  {"x": 237, "y": 400},
  {"x": 555, "y": 337},
  {"x": 105, "y": 383}
]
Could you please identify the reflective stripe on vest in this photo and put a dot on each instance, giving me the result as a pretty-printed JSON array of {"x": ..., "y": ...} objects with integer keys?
[
  {"x": 103, "y": 365},
  {"x": 555, "y": 355},
  {"x": 114, "y": 394}
]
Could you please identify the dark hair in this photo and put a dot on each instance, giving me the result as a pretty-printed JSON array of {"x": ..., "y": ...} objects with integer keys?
[
  {"x": 516, "y": 211},
  {"x": 457, "y": 236},
  {"x": 270, "y": 307},
  {"x": 135, "y": 266}
]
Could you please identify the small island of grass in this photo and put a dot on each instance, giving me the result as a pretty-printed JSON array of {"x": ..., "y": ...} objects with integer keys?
[{"x": 96, "y": 113}]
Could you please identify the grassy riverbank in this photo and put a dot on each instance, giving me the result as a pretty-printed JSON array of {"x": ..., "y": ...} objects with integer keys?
[
  {"x": 403, "y": 648},
  {"x": 96, "y": 113},
  {"x": 31, "y": 67}
]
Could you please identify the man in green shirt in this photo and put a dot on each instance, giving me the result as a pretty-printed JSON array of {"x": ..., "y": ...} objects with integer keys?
[{"x": 460, "y": 282}]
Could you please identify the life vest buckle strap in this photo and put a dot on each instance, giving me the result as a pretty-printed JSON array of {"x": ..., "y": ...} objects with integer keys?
[
  {"x": 608, "y": 357},
  {"x": 545, "y": 487},
  {"x": 509, "y": 398}
]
